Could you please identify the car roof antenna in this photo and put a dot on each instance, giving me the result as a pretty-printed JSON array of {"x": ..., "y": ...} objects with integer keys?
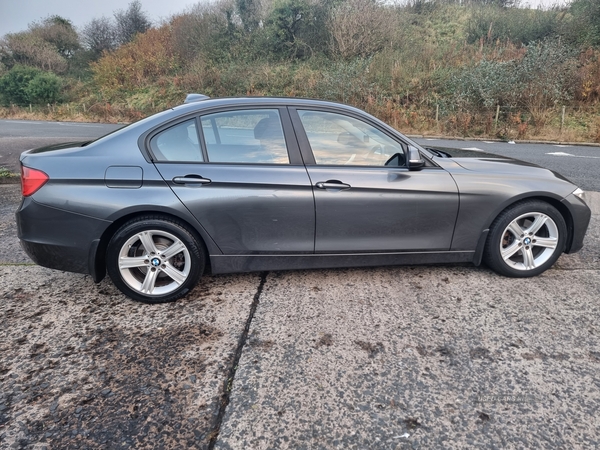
[{"x": 191, "y": 98}]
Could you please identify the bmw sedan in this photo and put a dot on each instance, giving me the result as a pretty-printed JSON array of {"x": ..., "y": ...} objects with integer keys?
[{"x": 253, "y": 184}]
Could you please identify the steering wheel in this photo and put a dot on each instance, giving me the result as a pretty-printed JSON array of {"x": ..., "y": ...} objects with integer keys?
[{"x": 374, "y": 150}]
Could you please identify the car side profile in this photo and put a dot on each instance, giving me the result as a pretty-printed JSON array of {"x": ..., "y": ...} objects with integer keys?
[{"x": 250, "y": 184}]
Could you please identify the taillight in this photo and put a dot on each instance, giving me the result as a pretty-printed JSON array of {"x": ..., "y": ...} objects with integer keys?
[{"x": 32, "y": 180}]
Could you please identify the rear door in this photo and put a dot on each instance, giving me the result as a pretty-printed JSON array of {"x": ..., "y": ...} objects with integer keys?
[
  {"x": 366, "y": 199},
  {"x": 239, "y": 172}
]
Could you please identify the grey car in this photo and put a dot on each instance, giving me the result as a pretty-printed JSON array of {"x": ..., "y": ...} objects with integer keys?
[{"x": 253, "y": 184}]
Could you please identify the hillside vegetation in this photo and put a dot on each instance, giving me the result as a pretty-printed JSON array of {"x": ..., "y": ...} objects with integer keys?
[{"x": 472, "y": 68}]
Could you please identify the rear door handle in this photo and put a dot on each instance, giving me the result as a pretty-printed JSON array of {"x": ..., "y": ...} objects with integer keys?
[
  {"x": 332, "y": 184},
  {"x": 191, "y": 179}
]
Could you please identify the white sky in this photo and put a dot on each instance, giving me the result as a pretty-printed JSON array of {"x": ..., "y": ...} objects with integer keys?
[{"x": 15, "y": 15}]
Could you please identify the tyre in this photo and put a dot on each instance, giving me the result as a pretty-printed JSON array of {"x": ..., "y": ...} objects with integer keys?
[
  {"x": 154, "y": 259},
  {"x": 525, "y": 239}
]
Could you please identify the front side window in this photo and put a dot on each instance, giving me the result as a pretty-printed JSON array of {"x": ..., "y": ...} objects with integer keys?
[
  {"x": 245, "y": 136},
  {"x": 178, "y": 143},
  {"x": 337, "y": 139}
]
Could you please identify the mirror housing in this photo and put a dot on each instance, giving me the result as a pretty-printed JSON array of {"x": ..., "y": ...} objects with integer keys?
[{"x": 415, "y": 160}]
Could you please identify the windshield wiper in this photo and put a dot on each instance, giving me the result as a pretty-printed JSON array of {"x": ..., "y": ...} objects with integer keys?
[{"x": 439, "y": 153}]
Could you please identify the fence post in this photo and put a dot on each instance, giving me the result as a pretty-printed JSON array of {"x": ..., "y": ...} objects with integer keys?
[
  {"x": 437, "y": 114},
  {"x": 562, "y": 119},
  {"x": 496, "y": 120}
]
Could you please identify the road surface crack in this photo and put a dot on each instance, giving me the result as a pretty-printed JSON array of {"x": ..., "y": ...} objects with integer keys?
[{"x": 228, "y": 384}]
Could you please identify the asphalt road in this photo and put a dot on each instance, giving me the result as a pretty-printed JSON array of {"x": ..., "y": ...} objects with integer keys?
[
  {"x": 580, "y": 164},
  {"x": 16, "y": 136}
]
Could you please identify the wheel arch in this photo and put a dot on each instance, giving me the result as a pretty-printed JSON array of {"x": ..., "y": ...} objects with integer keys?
[
  {"x": 98, "y": 260},
  {"x": 555, "y": 202}
]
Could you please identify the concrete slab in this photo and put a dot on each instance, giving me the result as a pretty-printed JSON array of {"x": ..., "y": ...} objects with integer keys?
[
  {"x": 81, "y": 366},
  {"x": 10, "y": 250},
  {"x": 427, "y": 357}
]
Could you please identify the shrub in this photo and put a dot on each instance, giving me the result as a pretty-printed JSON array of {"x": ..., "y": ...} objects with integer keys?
[
  {"x": 14, "y": 83},
  {"x": 485, "y": 85},
  {"x": 143, "y": 61},
  {"x": 353, "y": 29},
  {"x": 44, "y": 88},
  {"x": 539, "y": 80},
  {"x": 490, "y": 23}
]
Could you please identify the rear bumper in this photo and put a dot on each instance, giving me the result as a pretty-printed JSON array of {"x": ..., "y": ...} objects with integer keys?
[{"x": 59, "y": 239}]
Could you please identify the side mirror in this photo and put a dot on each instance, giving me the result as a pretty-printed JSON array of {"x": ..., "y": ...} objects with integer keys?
[{"x": 415, "y": 160}]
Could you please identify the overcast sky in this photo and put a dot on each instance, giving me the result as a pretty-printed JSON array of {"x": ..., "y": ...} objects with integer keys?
[{"x": 15, "y": 15}]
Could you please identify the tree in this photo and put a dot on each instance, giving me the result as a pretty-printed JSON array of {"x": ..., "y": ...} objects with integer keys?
[
  {"x": 249, "y": 13},
  {"x": 99, "y": 35},
  {"x": 29, "y": 49},
  {"x": 47, "y": 45},
  {"x": 130, "y": 22},
  {"x": 297, "y": 28},
  {"x": 59, "y": 32},
  {"x": 586, "y": 21},
  {"x": 205, "y": 29},
  {"x": 360, "y": 28}
]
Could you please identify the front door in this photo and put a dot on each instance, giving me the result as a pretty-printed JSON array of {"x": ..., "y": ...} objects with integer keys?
[{"x": 366, "y": 199}]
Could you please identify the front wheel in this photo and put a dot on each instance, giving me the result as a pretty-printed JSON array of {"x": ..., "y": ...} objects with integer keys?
[
  {"x": 154, "y": 260},
  {"x": 525, "y": 239}
]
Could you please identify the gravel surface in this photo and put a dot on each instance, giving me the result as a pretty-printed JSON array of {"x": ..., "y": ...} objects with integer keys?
[{"x": 382, "y": 358}]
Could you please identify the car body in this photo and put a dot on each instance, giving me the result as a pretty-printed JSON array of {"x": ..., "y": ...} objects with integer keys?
[{"x": 253, "y": 184}]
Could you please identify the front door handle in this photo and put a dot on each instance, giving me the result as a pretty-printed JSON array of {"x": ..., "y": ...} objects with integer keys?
[
  {"x": 191, "y": 179},
  {"x": 332, "y": 184}
]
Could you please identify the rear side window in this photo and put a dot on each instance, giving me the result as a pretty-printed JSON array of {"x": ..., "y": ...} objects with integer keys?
[
  {"x": 178, "y": 143},
  {"x": 245, "y": 136}
]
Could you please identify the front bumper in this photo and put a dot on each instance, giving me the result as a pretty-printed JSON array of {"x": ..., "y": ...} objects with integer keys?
[
  {"x": 59, "y": 239},
  {"x": 581, "y": 215}
]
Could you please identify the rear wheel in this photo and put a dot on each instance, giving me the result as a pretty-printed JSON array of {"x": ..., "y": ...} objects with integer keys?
[
  {"x": 154, "y": 260},
  {"x": 525, "y": 239}
]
